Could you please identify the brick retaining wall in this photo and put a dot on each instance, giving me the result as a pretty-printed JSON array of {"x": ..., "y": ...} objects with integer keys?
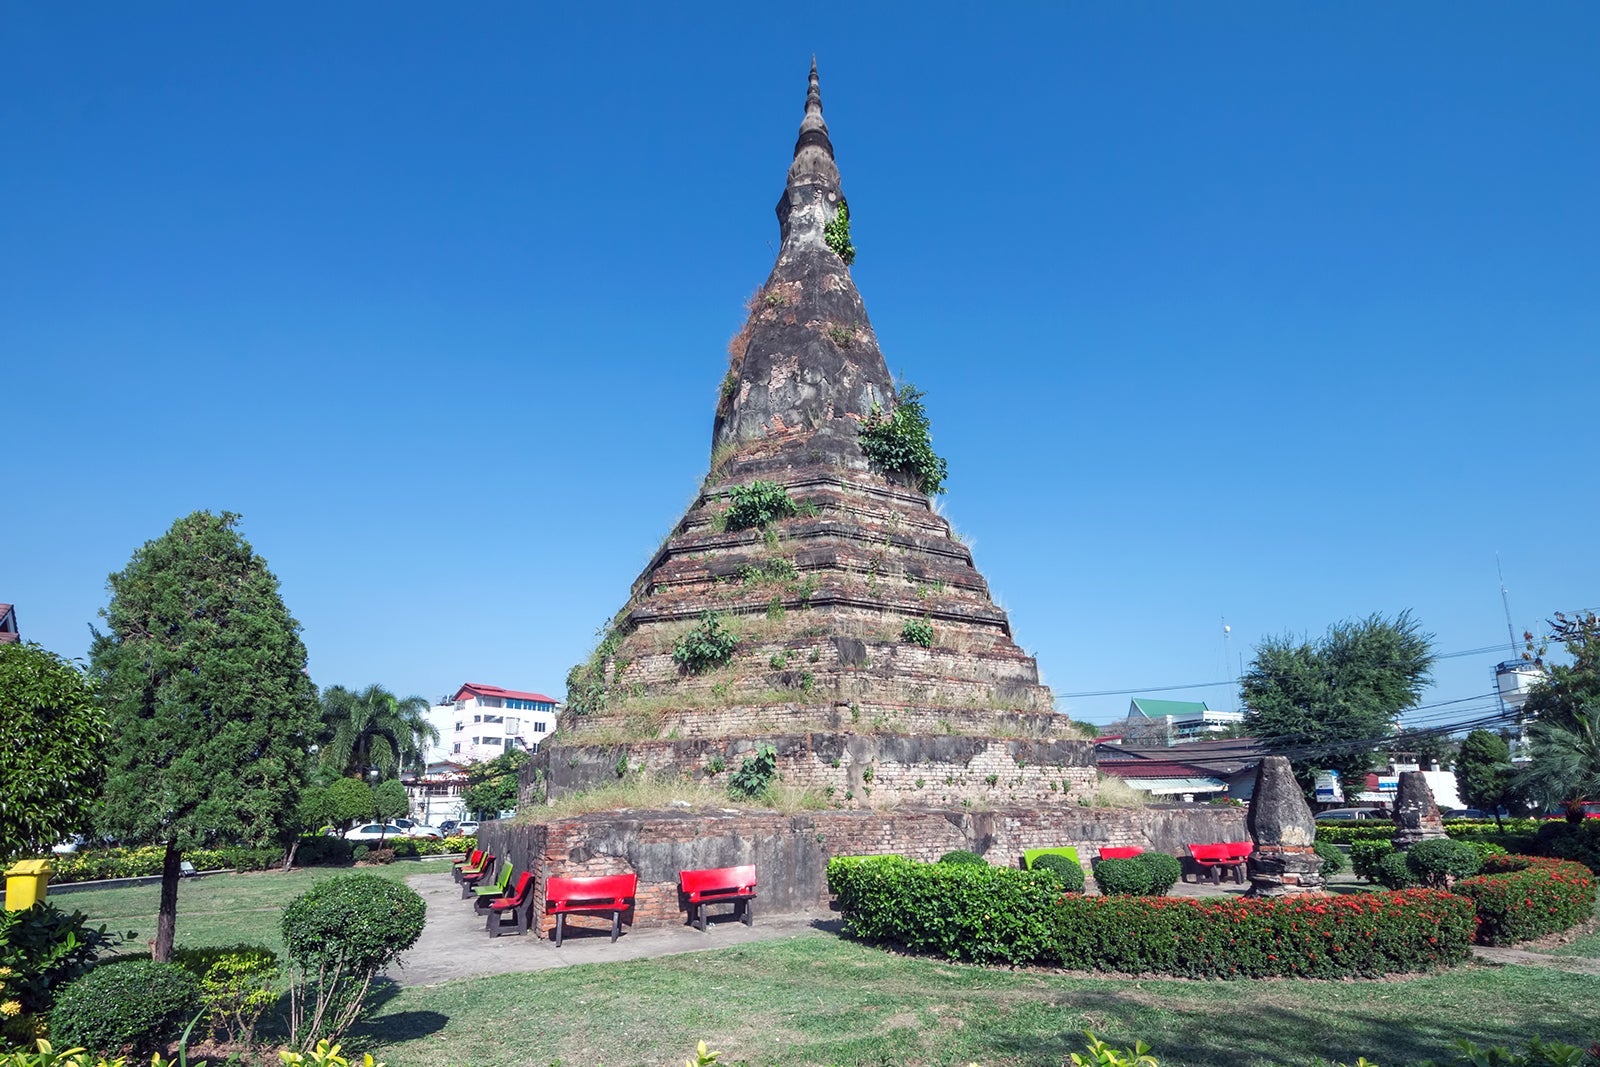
[{"x": 791, "y": 852}]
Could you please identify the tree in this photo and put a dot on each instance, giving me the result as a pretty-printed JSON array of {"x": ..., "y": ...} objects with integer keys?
[
  {"x": 391, "y": 800},
  {"x": 338, "y": 804},
  {"x": 202, "y": 674},
  {"x": 51, "y": 731},
  {"x": 492, "y": 786},
  {"x": 1485, "y": 777},
  {"x": 373, "y": 730},
  {"x": 1332, "y": 704},
  {"x": 1568, "y": 687},
  {"x": 1566, "y": 759}
]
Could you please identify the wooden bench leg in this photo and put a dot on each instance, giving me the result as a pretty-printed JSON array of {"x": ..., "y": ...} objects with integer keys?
[
  {"x": 749, "y": 912},
  {"x": 700, "y": 917},
  {"x": 616, "y": 925},
  {"x": 561, "y": 926}
]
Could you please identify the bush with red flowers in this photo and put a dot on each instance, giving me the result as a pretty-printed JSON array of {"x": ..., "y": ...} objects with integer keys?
[
  {"x": 1522, "y": 897},
  {"x": 997, "y": 914}
]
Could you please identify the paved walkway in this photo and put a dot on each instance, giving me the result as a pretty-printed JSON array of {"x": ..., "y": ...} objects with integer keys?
[{"x": 455, "y": 944}]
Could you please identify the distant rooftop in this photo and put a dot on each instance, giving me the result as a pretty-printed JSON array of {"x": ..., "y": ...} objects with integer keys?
[
  {"x": 8, "y": 625},
  {"x": 1159, "y": 709},
  {"x": 479, "y": 689}
]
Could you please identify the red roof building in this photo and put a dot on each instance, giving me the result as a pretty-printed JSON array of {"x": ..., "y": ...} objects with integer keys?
[{"x": 9, "y": 635}]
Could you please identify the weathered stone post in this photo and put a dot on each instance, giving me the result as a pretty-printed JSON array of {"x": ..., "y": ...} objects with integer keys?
[
  {"x": 1416, "y": 815},
  {"x": 1284, "y": 831}
]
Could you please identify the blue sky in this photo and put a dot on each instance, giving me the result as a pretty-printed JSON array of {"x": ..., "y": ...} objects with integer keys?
[{"x": 1282, "y": 313}]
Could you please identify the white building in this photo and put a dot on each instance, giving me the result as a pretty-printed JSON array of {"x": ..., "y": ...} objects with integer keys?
[
  {"x": 482, "y": 721},
  {"x": 1179, "y": 720}
]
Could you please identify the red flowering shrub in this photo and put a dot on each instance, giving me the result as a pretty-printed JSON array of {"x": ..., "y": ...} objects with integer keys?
[
  {"x": 1522, "y": 897},
  {"x": 1000, "y": 914}
]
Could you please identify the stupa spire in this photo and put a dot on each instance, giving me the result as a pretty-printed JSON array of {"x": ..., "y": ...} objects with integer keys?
[{"x": 813, "y": 152}]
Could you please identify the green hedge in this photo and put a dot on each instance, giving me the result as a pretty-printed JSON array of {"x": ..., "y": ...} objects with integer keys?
[
  {"x": 1565, "y": 841},
  {"x": 95, "y": 864},
  {"x": 1009, "y": 916},
  {"x": 1523, "y": 897},
  {"x": 1517, "y": 835}
]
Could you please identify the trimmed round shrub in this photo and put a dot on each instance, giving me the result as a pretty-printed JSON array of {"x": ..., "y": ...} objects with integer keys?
[
  {"x": 1440, "y": 862},
  {"x": 1522, "y": 897},
  {"x": 1485, "y": 849},
  {"x": 1164, "y": 871},
  {"x": 1071, "y": 874},
  {"x": 339, "y": 934},
  {"x": 319, "y": 851},
  {"x": 961, "y": 855},
  {"x": 1394, "y": 872},
  {"x": 140, "y": 1003},
  {"x": 1333, "y": 860},
  {"x": 1122, "y": 877},
  {"x": 1365, "y": 856},
  {"x": 360, "y": 853}
]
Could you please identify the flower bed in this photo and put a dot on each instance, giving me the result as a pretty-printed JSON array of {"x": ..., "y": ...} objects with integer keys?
[
  {"x": 1519, "y": 898},
  {"x": 998, "y": 914}
]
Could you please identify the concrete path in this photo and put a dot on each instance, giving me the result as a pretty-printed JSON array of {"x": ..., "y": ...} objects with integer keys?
[{"x": 455, "y": 944}]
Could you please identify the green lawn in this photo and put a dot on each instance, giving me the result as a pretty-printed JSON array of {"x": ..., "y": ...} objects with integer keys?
[
  {"x": 818, "y": 999},
  {"x": 218, "y": 909},
  {"x": 822, "y": 1000}
]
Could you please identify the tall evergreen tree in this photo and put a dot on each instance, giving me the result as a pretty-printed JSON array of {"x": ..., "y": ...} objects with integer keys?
[
  {"x": 1485, "y": 777},
  {"x": 202, "y": 673},
  {"x": 373, "y": 730},
  {"x": 1330, "y": 705}
]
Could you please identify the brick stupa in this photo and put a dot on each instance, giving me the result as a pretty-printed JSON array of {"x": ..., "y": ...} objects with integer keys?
[{"x": 818, "y": 600}]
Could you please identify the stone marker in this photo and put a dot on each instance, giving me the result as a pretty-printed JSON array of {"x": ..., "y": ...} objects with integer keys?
[
  {"x": 1282, "y": 827},
  {"x": 1416, "y": 816}
]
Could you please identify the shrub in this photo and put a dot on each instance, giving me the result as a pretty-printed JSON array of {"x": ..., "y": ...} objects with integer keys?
[
  {"x": 917, "y": 632},
  {"x": 324, "y": 851},
  {"x": 1070, "y": 873},
  {"x": 381, "y": 855},
  {"x": 42, "y": 948},
  {"x": 961, "y": 855},
  {"x": 754, "y": 774},
  {"x": 755, "y": 505},
  {"x": 1522, "y": 897},
  {"x": 899, "y": 443},
  {"x": 339, "y": 934},
  {"x": 1485, "y": 849},
  {"x": 1365, "y": 856},
  {"x": 1441, "y": 861},
  {"x": 360, "y": 853},
  {"x": 1164, "y": 871},
  {"x": 252, "y": 859},
  {"x": 237, "y": 984},
  {"x": 708, "y": 645},
  {"x": 997, "y": 914},
  {"x": 1122, "y": 877},
  {"x": 1565, "y": 841},
  {"x": 1333, "y": 860},
  {"x": 1394, "y": 872},
  {"x": 135, "y": 1002},
  {"x": 837, "y": 234}
]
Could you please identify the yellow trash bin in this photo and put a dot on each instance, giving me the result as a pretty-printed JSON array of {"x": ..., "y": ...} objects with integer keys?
[{"x": 25, "y": 884}]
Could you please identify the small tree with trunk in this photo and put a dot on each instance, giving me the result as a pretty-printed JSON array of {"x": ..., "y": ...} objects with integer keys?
[
  {"x": 203, "y": 676},
  {"x": 1485, "y": 777},
  {"x": 391, "y": 800}
]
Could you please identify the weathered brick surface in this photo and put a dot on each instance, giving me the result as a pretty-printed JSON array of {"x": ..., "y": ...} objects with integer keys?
[
  {"x": 791, "y": 852},
  {"x": 852, "y": 769}
]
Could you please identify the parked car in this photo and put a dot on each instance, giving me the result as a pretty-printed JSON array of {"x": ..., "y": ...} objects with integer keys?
[
  {"x": 422, "y": 830},
  {"x": 1591, "y": 810},
  {"x": 375, "y": 831},
  {"x": 448, "y": 827},
  {"x": 469, "y": 828},
  {"x": 1351, "y": 814}
]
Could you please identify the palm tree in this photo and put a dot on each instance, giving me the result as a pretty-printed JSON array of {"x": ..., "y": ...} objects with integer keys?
[
  {"x": 373, "y": 730},
  {"x": 1566, "y": 759}
]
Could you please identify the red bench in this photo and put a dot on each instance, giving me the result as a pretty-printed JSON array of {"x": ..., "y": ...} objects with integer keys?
[
  {"x": 481, "y": 875},
  {"x": 720, "y": 885},
  {"x": 598, "y": 895},
  {"x": 1223, "y": 857},
  {"x": 1118, "y": 852},
  {"x": 471, "y": 863},
  {"x": 518, "y": 904}
]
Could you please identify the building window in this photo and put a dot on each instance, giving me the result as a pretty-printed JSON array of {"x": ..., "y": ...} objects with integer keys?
[
  {"x": 513, "y": 726},
  {"x": 538, "y": 727},
  {"x": 458, "y": 746},
  {"x": 494, "y": 718}
]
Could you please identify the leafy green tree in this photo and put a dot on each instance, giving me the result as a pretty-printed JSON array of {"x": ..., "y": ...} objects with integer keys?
[
  {"x": 338, "y": 804},
  {"x": 51, "y": 731},
  {"x": 1566, "y": 759},
  {"x": 1333, "y": 703},
  {"x": 1568, "y": 686},
  {"x": 373, "y": 730},
  {"x": 492, "y": 785},
  {"x": 1485, "y": 777},
  {"x": 391, "y": 800},
  {"x": 203, "y": 676}
]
